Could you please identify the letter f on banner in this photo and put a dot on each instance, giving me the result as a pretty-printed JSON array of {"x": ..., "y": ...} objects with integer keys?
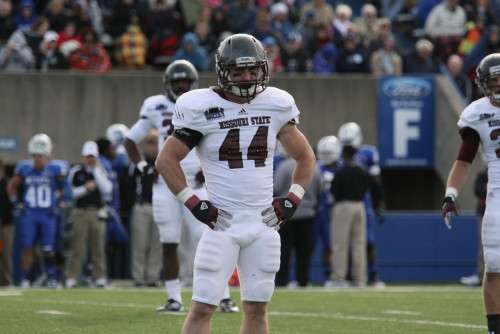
[{"x": 404, "y": 131}]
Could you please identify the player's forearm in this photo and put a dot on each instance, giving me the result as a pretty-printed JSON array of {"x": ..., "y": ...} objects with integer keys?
[
  {"x": 458, "y": 175},
  {"x": 132, "y": 150},
  {"x": 168, "y": 164},
  {"x": 304, "y": 169}
]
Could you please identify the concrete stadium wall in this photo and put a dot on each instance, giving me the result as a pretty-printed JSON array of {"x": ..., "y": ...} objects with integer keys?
[{"x": 74, "y": 107}]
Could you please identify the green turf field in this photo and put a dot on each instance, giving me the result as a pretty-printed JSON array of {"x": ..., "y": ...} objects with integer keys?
[{"x": 395, "y": 309}]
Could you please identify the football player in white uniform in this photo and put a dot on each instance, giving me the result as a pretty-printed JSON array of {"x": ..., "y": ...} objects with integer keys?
[
  {"x": 156, "y": 112},
  {"x": 234, "y": 127},
  {"x": 480, "y": 123}
]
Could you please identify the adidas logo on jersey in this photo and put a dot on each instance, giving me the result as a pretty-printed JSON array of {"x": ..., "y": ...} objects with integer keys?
[{"x": 242, "y": 112}]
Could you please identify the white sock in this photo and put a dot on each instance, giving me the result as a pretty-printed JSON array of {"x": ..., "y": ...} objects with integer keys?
[
  {"x": 226, "y": 294},
  {"x": 173, "y": 288}
]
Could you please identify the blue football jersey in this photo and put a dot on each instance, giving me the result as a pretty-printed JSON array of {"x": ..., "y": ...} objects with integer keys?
[{"x": 40, "y": 187}]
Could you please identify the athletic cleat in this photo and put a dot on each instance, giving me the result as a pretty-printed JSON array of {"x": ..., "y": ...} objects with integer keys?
[
  {"x": 378, "y": 284},
  {"x": 101, "y": 283},
  {"x": 70, "y": 283},
  {"x": 52, "y": 283},
  {"x": 171, "y": 305},
  {"x": 472, "y": 280},
  {"x": 329, "y": 284},
  {"x": 25, "y": 283},
  {"x": 228, "y": 306},
  {"x": 40, "y": 281}
]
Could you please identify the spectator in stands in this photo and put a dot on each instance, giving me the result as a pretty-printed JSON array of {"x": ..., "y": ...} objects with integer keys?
[
  {"x": 386, "y": 61},
  {"x": 207, "y": 39},
  {"x": 68, "y": 33},
  {"x": 445, "y": 25},
  {"x": 26, "y": 15},
  {"x": 219, "y": 21},
  {"x": 280, "y": 22},
  {"x": 163, "y": 29},
  {"x": 306, "y": 28},
  {"x": 325, "y": 59},
  {"x": 241, "y": 15},
  {"x": 320, "y": 38},
  {"x": 342, "y": 24},
  {"x": 7, "y": 24},
  {"x": 366, "y": 25},
  {"x": 262, "y": 28},
  {"x": 91, "y": 56},
  {"x": 191, "y": 51},
  {"x": 49, "y": 57},
  {"x": 353, "y": 57},
  {"x": 273, "y": 52},
  {"x": 80, "y": 16},
  {"x": 295, "y": 58},
  {"x": 94, "y": 13},
  {"x": 489, "y": 43},
  {"x": 383, "y": 27},
  {"x": 475, "y": 30},
  {"x": 475, "y": 8},
  {"x": 122, "y": 17},
  {"x": 16, "y": 55},
  {"x": 424, "y": 7},
  {"x": 56, "y": 14},
  {"x": 131, "y": 47},
  {"x": 420, "y": 60},
  {"x": 454, "y": 65},
  {"x": 324, "y": 11}
]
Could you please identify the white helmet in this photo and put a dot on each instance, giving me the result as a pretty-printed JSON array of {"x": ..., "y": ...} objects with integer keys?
[
  {"x": 328, "y": 149},
  {"x": 40, "y": 144},
  {"x": 350, "y": 135},
  {"x": 116, "y": 134}
]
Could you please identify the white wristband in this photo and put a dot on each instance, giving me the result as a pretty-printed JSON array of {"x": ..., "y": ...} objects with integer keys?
[
  {"x": 141, "y": 165},
  {"x": 185, "y": 194},
  {"x": 451, "y": 192},
  {"x": 297, "y": 190}
]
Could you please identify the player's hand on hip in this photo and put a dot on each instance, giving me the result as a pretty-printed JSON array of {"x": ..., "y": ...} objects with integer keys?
[
  {"x": 281, "y": 211},
  {"x": 204, "y": 211},
  {"x": 449, "y": 206}
]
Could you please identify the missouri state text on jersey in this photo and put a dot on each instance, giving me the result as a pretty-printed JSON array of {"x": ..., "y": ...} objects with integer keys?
[
  {"x": 239, "y": 138},
  {"x": 488, "y": 128}
]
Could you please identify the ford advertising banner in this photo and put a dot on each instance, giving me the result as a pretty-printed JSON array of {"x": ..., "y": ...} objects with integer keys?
[{"x": 406, "y": 122}]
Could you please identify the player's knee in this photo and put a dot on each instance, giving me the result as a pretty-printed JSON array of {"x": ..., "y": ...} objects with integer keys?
[{"x": 490, "y": 243}]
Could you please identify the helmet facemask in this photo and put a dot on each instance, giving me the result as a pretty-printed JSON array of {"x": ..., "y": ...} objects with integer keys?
[{"x": 482, "y": 83}]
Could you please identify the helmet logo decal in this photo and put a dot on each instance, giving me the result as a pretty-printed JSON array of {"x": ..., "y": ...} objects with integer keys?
[
  {"x": 245, "y": 60},
  {"x": 495, "y": 69}
]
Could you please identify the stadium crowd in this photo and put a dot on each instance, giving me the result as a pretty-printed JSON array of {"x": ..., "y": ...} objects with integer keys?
[{"x": 383, "y": 37}]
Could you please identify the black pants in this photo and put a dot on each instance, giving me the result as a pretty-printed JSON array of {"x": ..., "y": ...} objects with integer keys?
[{"x": 295, "y": 234}]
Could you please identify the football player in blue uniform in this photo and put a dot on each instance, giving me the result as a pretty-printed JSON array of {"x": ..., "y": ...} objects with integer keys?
[
  {"x": 368, "y": 158},
  {"x": 328, "y": 151},
  {"x": 43, "y": 184}
]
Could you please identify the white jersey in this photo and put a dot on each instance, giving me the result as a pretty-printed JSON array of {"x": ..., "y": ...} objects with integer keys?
[
  {"x": 237, "y": 147},
  {"x": 484, "y": 118},
  {"x": 156, "y": 113}
]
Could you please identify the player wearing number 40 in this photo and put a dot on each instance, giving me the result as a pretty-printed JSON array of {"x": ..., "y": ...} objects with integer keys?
[
  {"x": 43, "y": 184},
  {"x": 480, "y": 124},
  {"x": 236, "y": 156}
]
